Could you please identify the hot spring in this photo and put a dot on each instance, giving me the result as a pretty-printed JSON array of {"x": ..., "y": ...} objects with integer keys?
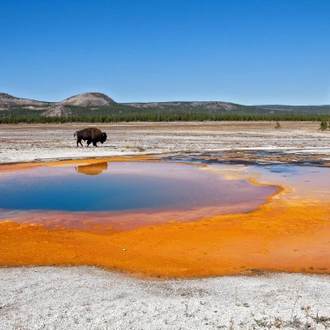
[{"x": 125, "y": 188}]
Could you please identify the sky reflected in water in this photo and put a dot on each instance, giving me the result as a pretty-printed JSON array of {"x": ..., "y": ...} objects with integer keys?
[{"x": 123, "y": 186}]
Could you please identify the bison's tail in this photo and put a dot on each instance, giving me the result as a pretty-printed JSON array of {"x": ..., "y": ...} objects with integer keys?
[{"x": 75, "y": 134}]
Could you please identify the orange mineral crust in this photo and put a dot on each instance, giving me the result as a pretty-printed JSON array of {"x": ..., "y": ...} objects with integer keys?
[
  {"x": 290, "y": 232},
  {"x": 282, "y": 235}
]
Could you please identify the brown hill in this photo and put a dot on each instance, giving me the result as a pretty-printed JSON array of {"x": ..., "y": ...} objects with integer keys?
[
  {"x": 89, "y": 100},
  {"x": 206, "y": 105},
  {"x": 8, "y": 101},
  {"x": 58, "y": 111}
]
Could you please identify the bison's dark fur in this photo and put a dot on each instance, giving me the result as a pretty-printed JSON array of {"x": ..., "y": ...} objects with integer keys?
[{"x": 91, "y": 135}]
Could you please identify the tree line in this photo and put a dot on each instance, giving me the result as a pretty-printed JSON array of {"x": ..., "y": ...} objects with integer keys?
[{"x": 165, "y": 117}]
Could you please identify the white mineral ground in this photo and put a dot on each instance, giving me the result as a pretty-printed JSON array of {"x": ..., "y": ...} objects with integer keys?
[{"x": 91, "y": 298}]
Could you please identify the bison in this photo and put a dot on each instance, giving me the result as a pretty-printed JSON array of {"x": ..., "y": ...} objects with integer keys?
[{"x": 91, "y": 135}]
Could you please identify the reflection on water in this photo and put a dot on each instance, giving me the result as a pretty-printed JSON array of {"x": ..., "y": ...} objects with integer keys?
[
  {"x": 291, "y": 233},
  {"x": 126, "y": 186},
  {"x": 310, "y": 182},
  {"x": 92, "y": 169}
]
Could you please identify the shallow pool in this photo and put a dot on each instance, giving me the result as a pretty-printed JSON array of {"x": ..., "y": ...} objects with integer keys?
[
  {"x": 166, "y": 219},
  {"x": 124, "y": 186}
]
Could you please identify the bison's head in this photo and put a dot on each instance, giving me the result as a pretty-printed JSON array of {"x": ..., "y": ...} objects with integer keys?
[{"x": 103, "y": 137}]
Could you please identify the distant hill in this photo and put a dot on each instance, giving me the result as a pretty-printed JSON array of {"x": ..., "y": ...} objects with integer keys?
[
  {"x": 89, "y": 100},
  {"x": 226, "y": 106},
  {"x": 307, "y": 109},
  {"x": 8, "y": 101},
  {"x": 68, "y": 107},
  {"x": 58, "y": 111},
  {"x": 94, "y": 104}
]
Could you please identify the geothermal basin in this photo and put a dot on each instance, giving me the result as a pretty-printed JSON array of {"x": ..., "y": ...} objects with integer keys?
[
  {"x": 121, "y": 190},
  {"x": 165, "y": 219}
]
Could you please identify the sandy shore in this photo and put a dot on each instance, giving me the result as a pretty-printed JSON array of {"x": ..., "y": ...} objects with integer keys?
[{"x": 91, "y": 298}]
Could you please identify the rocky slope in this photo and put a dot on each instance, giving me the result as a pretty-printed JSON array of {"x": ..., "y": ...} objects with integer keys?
[
  {"x": 58, "y": 111},
  {"x": 94, "y": 99},
  {"x": 82, "y": 104},
  {"x": 207, "y": 105},
  {"x": 55, "y": 109},
  {"x": 89, "y": 100},
  {"x": 8, "y": 101}
]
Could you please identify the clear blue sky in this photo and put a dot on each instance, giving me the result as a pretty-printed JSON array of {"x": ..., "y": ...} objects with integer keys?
[{"x": 241, "y": 51}]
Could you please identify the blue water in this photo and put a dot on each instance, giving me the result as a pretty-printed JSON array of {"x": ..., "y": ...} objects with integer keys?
[{"x": 123, "y": 186}]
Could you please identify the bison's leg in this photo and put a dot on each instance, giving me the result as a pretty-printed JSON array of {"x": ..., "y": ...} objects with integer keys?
[
  {"x": 79, "y": 141},
  {"x": 89, "y": 142},
  {"x": 94, "y": 143}
]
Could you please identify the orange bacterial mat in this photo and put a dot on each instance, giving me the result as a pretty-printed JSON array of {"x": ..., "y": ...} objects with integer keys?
[{"x": 289, "y": 232}]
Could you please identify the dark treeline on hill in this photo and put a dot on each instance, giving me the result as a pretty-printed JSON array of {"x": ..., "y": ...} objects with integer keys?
[
  {"x": 164, "y": 117},
  {"x": 98, "y": 107}
]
